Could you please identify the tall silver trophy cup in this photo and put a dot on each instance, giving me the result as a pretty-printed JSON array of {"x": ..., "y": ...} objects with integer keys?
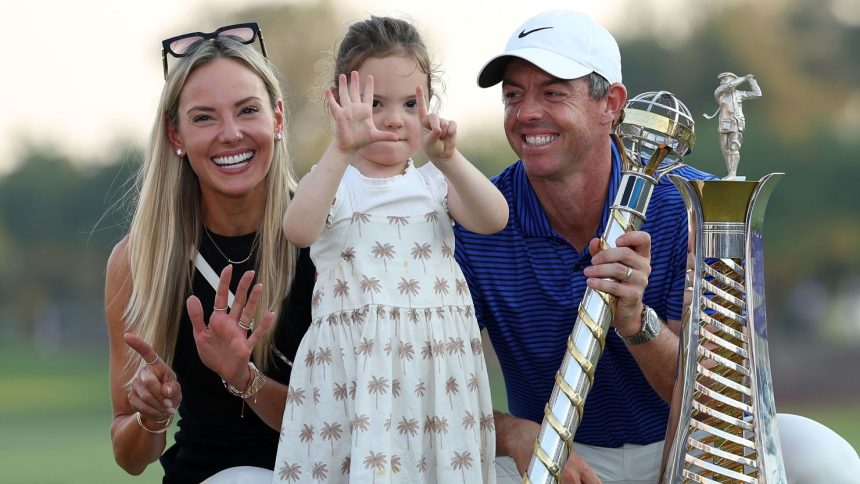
[
  {"x": 656, "y": 132},
  {"x": 722, "y": 424}
]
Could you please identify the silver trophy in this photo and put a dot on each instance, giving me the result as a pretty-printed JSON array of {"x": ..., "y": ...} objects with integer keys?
[
  {"x": 656, "y": 131},
  {"x": 722, "y": 423}
]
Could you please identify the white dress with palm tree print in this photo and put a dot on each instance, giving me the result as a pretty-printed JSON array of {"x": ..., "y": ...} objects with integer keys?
[{"x": 389, "y": 383}]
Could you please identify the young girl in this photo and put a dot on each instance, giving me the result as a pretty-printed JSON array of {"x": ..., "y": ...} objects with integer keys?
[{"x": 389, "y": 382}]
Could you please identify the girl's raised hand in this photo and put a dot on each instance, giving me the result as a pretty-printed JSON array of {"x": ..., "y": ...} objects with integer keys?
[
  {"x": 353, "y": 116},
  {"x": 224, "y": 344},
  {"x": 438, "y": 135}
]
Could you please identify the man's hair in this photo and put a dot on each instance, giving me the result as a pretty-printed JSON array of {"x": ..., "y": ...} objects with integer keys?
[{"x": 598, "y": 86}]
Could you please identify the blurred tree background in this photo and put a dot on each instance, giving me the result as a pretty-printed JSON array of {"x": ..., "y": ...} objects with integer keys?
[{"x": 59, "y": 217}]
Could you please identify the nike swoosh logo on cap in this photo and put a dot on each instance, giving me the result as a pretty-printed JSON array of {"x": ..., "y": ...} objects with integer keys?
[{"x": 524, "y": 33}]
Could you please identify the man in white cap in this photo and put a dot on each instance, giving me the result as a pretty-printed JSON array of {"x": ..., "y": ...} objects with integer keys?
[{"x": 562, "y": 92}]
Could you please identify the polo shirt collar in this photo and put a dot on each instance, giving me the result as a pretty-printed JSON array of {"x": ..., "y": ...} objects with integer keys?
[{"x": 530, "y": 214}]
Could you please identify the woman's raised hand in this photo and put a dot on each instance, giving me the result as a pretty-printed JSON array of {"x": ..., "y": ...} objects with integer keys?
[
  {"x": 154, "y": 391},
  {"x": 225, "y": 344},
  {"x": 353, "y": 116}
]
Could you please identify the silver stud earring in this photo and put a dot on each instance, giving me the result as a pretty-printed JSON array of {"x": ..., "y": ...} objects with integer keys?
[
  {"x": 179, "y": 152},
  {"x": 278, "y": 136}
]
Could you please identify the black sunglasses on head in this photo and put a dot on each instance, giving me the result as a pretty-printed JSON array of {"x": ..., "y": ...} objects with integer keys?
[{"x": 184, "y": 44}]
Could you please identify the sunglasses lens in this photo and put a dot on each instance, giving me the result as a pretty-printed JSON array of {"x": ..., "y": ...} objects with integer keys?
[
  {"x": 181, "y": 46},
  {"x": 242, "y": 34}
]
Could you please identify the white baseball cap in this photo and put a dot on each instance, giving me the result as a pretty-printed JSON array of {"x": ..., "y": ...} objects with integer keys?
[{"x": 564, "y": 43}]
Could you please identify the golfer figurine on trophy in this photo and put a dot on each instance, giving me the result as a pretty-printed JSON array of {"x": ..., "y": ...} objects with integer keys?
[
  {"x": 722, "y": 423},
  {"x": 732, "y": 122}
]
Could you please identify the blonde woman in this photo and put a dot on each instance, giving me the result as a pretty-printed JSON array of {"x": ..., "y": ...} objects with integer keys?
[{"x": 213, "y": 352}]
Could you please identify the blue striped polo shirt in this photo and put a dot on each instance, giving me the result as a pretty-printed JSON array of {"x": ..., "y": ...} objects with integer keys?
[{"x": 527, "y": 283}]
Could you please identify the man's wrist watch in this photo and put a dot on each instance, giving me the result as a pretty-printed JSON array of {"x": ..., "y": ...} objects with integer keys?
[{"x": 650, "y": 328}]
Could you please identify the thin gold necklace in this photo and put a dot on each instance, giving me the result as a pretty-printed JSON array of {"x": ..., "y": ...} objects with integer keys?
[{"x": 231, "y": 261}]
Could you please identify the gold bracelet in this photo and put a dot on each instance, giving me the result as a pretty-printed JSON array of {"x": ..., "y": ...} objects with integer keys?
[
  {"x": 256, "y": 380},
  {"x": 159, "y": 431}
]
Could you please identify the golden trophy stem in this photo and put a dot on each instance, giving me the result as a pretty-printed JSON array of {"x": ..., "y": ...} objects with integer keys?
[{"x": 575, "y": 377}]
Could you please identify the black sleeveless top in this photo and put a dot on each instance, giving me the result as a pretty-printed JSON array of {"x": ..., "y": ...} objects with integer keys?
[{"x": 212, "y": 435}]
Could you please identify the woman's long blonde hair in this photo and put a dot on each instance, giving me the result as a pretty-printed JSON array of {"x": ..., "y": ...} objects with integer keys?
[{"x": 165, "y": 227}]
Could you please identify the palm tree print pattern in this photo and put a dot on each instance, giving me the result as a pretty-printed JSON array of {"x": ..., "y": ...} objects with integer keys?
[
  {"x": 385, "y": 252},
  {"x": 341, "y": 290},
  {"x": 307, "y": 436},
  {"x": 422, "y": 252},
  {"x": 375, "y": 461},
  {"x": 408, "y": 288},
  {"x": 462, "y": 461},
  {"x": 398, "y": 222},
  {"x": 391, "y": 314},
  {"x": 360, "y": 219},
  {"x": 319, "y": 471},
  {"x": 378, "y": 386},
  {"x": 323, "y": 358},
  {"x": 370, "y": 285},
  {"x": 331, "y": 432},
  {"x": 290, "y": 472},
  {"x": 448, "y": 253},
  {"x": 340, "y": 394},
  {"x": 409, "y": 428},
  {"x": 295, "y": 396},
  {"x": 349, "y": 256}
]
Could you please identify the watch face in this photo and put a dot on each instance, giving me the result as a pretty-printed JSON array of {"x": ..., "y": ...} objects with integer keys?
[
  {"x": 652, "y": 324},
  {"x": 650, "y": 328}
]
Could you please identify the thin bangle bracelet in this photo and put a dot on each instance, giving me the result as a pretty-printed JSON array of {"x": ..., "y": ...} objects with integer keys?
[{"x": 159, "y": 431}]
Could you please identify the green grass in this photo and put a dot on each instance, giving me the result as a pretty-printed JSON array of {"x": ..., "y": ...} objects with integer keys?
[
  {"x": 842, "y": 418},
  {"x": 55, "y": 419}
]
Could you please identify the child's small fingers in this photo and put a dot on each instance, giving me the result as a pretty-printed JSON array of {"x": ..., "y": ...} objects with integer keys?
[
  {"x": 368, "y": 90},
  {"x": 355, "y": 87},
  {"x": 450, "y": 129},
  {"x": 422, "y": 103},
  {"x": 331, "y": 100},
  {"x": 432, "y": 122},
  {"x": 342, "y": 89}
]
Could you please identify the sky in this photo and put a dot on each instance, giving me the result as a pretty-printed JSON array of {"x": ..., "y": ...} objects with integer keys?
[{"x": 85, "y": 75}]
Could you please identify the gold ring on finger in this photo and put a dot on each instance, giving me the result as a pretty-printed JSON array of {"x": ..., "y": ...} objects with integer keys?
[{"x": 629, "y": 273}]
